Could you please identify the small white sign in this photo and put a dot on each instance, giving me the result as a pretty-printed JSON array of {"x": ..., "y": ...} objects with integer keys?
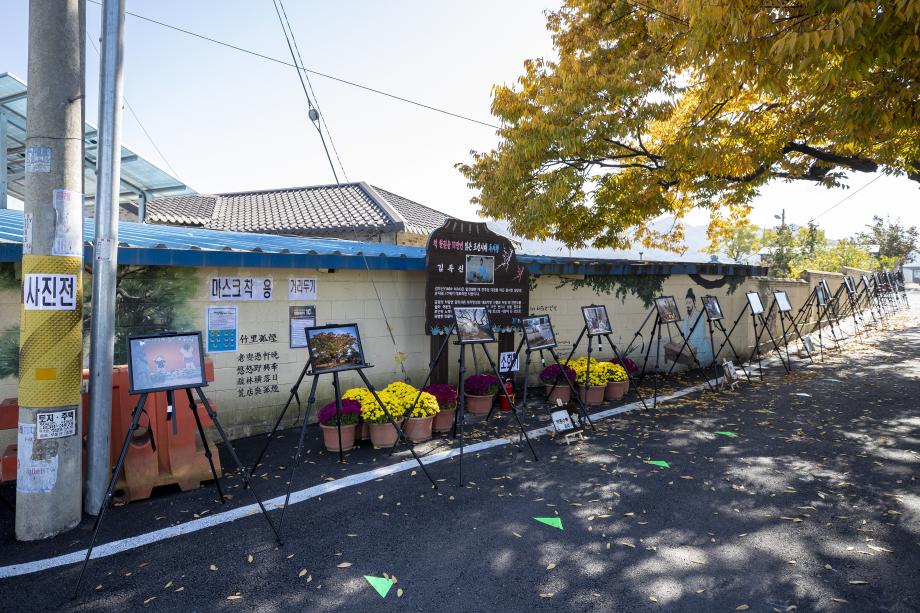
[
  {"x": 68, "y": 223},
  {"x": 27, "y": 234},
  {"x": 38, "y": 159},
  {"x": 509, "y": 361},
  {"x": 301, "y": 289},
  {"x": 49, "y": 292},
  {"x": 57, "y": 424},
  {"x": 809, "y": 343},
  {"x": 103, "y": 250},
  {"x": 730, "y": 373},
  {"x": 561, "y": 421},
  {"x": 241, "y": 288}
]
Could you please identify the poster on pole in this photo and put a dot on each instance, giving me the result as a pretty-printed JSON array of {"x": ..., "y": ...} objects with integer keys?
[
  {"x": 222, "y": 328},
  {"x": 301, "y": 319},
  {"x": 469, "y": 265}
]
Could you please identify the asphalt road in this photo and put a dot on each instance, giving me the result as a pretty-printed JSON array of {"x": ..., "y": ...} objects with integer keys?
[{"x": 814, "y": 505}]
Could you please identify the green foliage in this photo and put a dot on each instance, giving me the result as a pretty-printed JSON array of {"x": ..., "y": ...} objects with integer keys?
[
  {"x": 644, "y": 287},
  {"x": 663, "y": 106},
  {"x": 742, "y": 240},
  {"x": 9, "y": 353},
  {"x": 896, "y": 241},
  {"x": 833, "y": 258}
]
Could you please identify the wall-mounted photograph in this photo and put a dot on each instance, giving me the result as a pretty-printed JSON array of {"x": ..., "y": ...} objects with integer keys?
[{"x": 480, "y": 270}]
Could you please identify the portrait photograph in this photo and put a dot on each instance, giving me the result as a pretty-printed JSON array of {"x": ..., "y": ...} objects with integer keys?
[
  {"x": 668, "y": 311},
  {"x": 713, "y": 308},
  {"x": 480, "y": 270},
  {"x": 165, "y": 362},
  {"x": 334, "y": 348},
  {"x": 596, "y": 320},
  {"x": 782, "y": 301},
  {"x": 539, "y": 332},
  {"x": 473, "y": 325},
  {"x": 753, "y": 299}
]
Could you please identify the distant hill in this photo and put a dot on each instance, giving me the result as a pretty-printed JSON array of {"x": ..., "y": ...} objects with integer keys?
[{"x": 694, "y": 240}]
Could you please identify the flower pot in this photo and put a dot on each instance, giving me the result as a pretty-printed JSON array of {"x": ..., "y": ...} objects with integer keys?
[
  {"x": 383, "y": 435},
  {"x": 594, "y": 395},
  {"x": 616, "y": 390},
  {"x": 444, "y": 420},
  {"x": 363, "y": 433},
  {"x": 479, "y": 405},
  {"x": 418, "y": 429},
  {"x": 331, "y": 437},
  {"x": 562, "y": 392}
]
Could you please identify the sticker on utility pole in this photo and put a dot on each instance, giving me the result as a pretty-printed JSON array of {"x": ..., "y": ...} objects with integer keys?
[
  {"x": 34, "y": 475},
  {"x": 38, "y": 159},
  {"x": 49, "y": 292},
  {"x": 561, "y": 421},
  {"x": 103, "y": 249},
  {"x": 27, "y": 234},
  {"x": 302, "y": 289},
  {"x": 68, "y": 223},
  {"x": 508, "y": 361},
  {"x": 57, "y": 424}
]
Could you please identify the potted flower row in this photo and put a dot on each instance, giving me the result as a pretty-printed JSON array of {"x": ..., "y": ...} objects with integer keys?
[
  {"x": 361, "y": 411},
  {"x": 602, "y": 381}
]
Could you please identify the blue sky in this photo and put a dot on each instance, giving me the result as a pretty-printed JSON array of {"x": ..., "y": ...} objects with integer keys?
[{"x": 231, "y": 122}]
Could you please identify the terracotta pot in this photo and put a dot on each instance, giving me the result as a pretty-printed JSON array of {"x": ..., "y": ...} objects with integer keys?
[
  {"x": 479, "y": 405},
  {"x": 331, "y": 437},
  {"x": 444, "y": 420},
  {"x": 383, "y": 435},
  {"x": 363, "y": 433},
  {"x": 562, "y": 392},
  {"x": 595, "y": 395},
  {"x": 418, "y": 429},
  {"x": 616, "y": 390}
]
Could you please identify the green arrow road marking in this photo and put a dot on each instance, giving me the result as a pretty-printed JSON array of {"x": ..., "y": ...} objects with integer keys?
[
  {"x": 381, "y": 584},
  {"x": 555, "y": 522},
  {"x": 658, "y": 463},
  {"x": 726, "y": 433}
]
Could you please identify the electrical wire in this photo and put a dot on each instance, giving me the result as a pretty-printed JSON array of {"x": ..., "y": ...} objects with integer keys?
[
  {"x": 307, "y": 70},
  {"x": 315, "y": 119},
  {"x": 847, "y": 197}
]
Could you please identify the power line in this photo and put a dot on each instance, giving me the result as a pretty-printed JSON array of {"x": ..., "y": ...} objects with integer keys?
[
  {"x": 848, "y": 196},
  {"x": 307, "y": 70}
]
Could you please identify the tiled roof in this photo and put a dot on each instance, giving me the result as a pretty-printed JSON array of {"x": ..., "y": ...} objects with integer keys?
[{"x": 310, "y": 211}]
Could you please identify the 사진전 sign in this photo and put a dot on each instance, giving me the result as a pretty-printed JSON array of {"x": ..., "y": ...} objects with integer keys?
[{"x": 467, "y": 264}]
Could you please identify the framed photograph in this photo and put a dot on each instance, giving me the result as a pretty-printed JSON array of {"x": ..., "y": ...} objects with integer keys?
[
  {"x": 827, "y": 289},
  {"x": 596, "y": 319},
  {"x": 335, "y": 347},
  {"x": 167, "y": 361},
  {"x": 848, "y": 282},
  {"x": 782, "y": 301},
  {"x": 538, "y": 332},
  {"x": 819, "y": 295},
  {"x": 473, "y": 325},
  {"x": 753, "y": 299},
  {"x": 668, "y": 312},
  {"x": 713, "y": 308},
  {"x": 480, "y": 270},
  {"x": 865, "y": 281}
]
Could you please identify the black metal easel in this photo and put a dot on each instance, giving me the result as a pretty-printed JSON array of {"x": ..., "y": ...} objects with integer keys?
[
  {"x": 783, "y": 315},
  {"x": 135, "y": 418},
  {"x": 755, "y": 317},
  {"x": 717, "y": 322}
]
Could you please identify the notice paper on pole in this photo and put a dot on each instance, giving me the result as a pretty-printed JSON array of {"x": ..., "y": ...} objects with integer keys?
[
  {"x": 49, "y": 292},
  {"x": 56, "y": 424},
  {"x": 68, "y": 223},
  {"x": 222, "y": 328},
  {"x": 508, "y": 361},
  {"x": 301, "y": 318}
]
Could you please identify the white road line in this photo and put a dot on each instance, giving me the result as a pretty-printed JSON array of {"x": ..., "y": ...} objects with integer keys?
[{"x": 127, "y": 544}]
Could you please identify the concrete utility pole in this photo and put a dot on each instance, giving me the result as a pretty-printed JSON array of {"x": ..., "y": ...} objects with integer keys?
[
  {"x": 49, "y": 476},
  {"x": 105, "y": 260}
]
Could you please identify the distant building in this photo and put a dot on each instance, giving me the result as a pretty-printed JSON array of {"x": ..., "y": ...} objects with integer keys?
[{"x": 352, "y": 211}]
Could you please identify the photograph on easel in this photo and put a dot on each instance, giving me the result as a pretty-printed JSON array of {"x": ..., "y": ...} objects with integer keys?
[
  {"x": 782, "y": 301},
  {"x": 160, "y": 362},
  {"x": 668, "y": 311},
  {"x": 819, "y": 295},
  {"x": 713, "y": 308},
  {"x": 848, "y": 282},
  {"x": 334, "y": 348},
  {"x": 596, "y": 320},
  {"x": 538, "y": 331},
  {"x": 473, "y": 325},
  {"x": 753, "y": 299}
]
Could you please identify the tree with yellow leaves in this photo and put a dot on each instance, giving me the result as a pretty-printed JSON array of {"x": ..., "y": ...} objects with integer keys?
[{"x": 657, "y": 107}]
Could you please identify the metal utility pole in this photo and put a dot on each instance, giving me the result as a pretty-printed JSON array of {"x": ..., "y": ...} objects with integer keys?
[
  {"x": 49, "y": 475},
  {"x": 105, "y": 255}
]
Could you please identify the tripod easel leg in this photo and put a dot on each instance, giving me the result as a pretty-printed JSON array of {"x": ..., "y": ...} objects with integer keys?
[
  {"x": 135, "y": 417},
  {"x": 204, "y": 443},
  {"x": 236, "y": 459},
  {"x": 734, "y": 351},
  {"x": 582, "y": 409},
  {"x": 511, "y": 404},
  {"x": 271, "y": 434},
  {"x": 296, "y": 461}
]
